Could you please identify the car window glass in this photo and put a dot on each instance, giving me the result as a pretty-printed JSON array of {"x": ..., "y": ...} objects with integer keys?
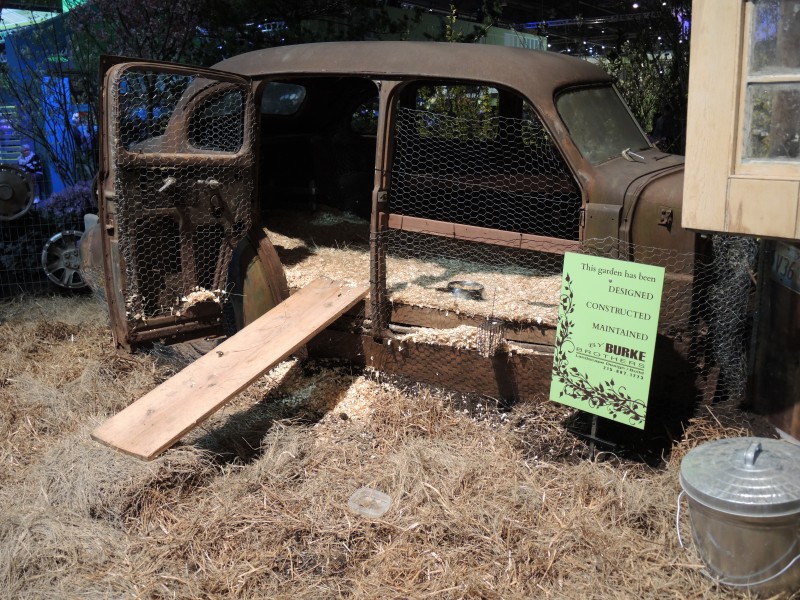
[
  {"x": 282, "y": 98},
  {"x": 364, "y": 120},
  {"x": 600, "y": 124}
]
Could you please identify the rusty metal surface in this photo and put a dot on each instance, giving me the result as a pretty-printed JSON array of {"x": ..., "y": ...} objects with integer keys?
[
  {"x": 154, "y": 197},
  {"x": 654, "y": 216},
  {"x": 259, "y": 282},
  {"x": 541, "y": 73},
  {"x": 632, "y": 197}
]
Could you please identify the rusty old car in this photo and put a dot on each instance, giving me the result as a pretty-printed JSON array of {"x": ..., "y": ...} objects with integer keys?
[{"x": 451, "y": 178}]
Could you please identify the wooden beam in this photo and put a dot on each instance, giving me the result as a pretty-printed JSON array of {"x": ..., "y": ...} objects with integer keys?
[
  {"x": 160, "y": 418},
  {"x": 486, "y": 235},
  {"x": 418, "y": 316},
  {"x": 508, "y": 376}
]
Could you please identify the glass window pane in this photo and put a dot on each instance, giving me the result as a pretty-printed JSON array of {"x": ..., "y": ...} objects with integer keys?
[
  {"x": 600, "y": 124},
  {"x": 282, "y": 98},
  {"x": 775, "y": 37},
  {"x": 772, "y": 121}
]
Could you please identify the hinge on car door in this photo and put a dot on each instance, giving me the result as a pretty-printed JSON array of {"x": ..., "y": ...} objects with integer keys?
[
  {"x": 382, "y": 211},
  {"x": 582, "y": 218},
  {"x": 383, "y": 201}
]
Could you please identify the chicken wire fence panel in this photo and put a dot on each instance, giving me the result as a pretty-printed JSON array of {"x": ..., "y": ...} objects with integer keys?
[
  {"x": 706, "y": 307},
  {"x": 183, "y": 189},
  {"x": 493, "y": 207},
  {"x": 39, "y": 234},
  {"x": 706, "y": 303},
  {"x": 493, "y": 172},
  {"x": 458, "y": 160},
  {"x": 39, "y": 252}
]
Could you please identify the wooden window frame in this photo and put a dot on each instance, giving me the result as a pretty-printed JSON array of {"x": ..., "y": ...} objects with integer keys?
[{"x": 723, "y": 192}]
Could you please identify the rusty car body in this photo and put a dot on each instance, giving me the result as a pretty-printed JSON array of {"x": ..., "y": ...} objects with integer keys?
[{"x": 490, "y": 155}]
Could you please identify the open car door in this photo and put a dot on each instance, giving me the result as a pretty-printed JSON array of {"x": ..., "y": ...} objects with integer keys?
[{"x": 177, "y": 189}]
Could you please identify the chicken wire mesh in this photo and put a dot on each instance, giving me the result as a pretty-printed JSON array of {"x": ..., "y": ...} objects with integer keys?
[
  {"x": 39, "y": 236},
  {"x": 183, "y": 189},
  {"x": 490, "y": 201},
  {"x": 491, "y": 335},
  {"x": 493, "y": 172},
  {"x": 704, "y": 322},
  {"x": 39, "y": 253},
  {"x": 458, "y": 159}
]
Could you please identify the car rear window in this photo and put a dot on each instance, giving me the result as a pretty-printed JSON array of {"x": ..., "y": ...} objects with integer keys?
[{"x": 282, "y": 98}]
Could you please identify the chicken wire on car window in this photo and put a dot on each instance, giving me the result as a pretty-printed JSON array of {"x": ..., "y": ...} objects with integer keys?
[
  {"x": 183, "y": 187},
  {"x": 492, "y": 171},
  {"x": 482, "y": 159}
]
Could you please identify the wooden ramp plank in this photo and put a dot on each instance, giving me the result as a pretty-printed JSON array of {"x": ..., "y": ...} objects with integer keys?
[{"x": 160, "y": 418}]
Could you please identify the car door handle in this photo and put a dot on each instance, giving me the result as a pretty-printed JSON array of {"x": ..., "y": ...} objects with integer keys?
[{"x": 168, "y": 183}]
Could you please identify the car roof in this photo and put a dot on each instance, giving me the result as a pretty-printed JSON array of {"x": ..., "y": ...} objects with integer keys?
[{"x": 535, "y": 72}]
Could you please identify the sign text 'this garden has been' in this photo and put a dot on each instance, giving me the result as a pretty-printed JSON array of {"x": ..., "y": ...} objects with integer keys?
[{"x": 607, "y": 327}]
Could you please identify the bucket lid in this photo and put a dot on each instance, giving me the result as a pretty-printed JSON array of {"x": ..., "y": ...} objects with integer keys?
[{"x": 746, "y": 476}]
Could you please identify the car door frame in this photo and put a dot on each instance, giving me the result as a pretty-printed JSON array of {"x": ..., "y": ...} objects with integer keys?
[{"x": 176, "y": 327}]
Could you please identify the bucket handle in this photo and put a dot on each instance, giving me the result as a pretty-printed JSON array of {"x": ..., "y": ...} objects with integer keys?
[
  {"x": 717, "y": 579},
  {"x": 678, "y": 520}
]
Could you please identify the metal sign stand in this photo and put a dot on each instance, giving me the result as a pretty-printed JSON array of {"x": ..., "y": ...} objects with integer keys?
[{"x": 593, "y": 439}]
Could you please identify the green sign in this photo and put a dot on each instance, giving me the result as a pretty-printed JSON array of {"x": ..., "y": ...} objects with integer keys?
[{"x": 607, "y": 327}]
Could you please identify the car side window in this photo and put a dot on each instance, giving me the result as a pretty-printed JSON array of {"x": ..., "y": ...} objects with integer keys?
[
  {"x": 145, "y": 103},
  {"x": 364, "y": 120},
  {"x": 458, "y": 111},
  {"x": 480, "y": 156},
  {"x": 282, "y": 99}
]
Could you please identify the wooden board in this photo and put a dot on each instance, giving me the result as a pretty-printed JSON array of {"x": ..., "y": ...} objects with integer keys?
[
  {"x": 432, "y": 318},
  {"x": 508, "y": 376},
  {"x": 471, "y": 233},
  {"x": 160, "y": 418}
]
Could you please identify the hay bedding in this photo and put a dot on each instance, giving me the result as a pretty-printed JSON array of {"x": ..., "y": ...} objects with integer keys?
[
  {"x": 336, "y": 245},
  {"x": 482, "y": 508}
]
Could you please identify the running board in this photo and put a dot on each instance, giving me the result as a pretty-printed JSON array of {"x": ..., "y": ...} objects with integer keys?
[{"x": 161, "y": 417}]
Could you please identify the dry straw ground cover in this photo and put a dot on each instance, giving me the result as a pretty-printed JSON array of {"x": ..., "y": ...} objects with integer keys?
[
  {"x": 254, "y": 503},
  {"x": 332, "y": 244}
]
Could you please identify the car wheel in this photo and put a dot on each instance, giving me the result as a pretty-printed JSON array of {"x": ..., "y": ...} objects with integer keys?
[
  {"x": 61, "y": 260},
  {"x": 16, "y": 193}
]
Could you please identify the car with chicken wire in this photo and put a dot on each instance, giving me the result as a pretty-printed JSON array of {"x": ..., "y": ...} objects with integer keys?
[{"x": 450, "y": 178}]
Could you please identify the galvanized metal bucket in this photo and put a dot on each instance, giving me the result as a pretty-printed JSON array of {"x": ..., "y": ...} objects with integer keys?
[{"x": 744, "y": 509}]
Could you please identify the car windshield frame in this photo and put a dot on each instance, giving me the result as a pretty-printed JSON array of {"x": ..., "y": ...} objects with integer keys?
[{"x": 600, "y": 123}]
